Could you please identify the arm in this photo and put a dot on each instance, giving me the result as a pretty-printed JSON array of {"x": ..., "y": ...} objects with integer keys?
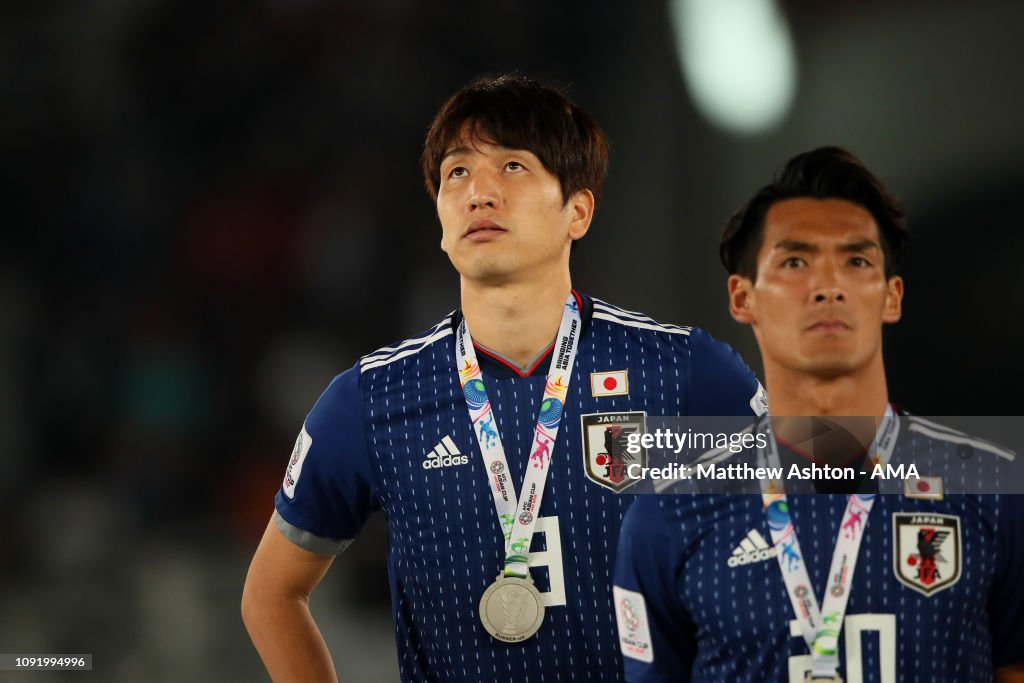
[
  {"x": 326, "y": 496},
  {"x": 656, "y": 635},
  {"x": 275, "y": 609}
]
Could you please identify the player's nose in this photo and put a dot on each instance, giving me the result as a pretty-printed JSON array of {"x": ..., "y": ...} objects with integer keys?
[
  {"x": 828, "y": 295},
  {"x": 826, "y": 287},
  {"x": 483, "y": 192}
]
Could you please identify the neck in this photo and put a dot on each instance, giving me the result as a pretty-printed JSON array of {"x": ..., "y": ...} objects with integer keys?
[
  {"x": 859, "y": 393},
  {"x": 518, "y": 320}
]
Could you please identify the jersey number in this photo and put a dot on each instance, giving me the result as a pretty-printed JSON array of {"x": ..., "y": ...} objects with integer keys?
[
  {"x": 853, "y": 626},
  {"x": 551, "y": 558}
]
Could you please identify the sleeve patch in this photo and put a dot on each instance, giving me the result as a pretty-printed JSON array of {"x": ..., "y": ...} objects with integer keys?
[
  {"x": 759, "y": 401},
  {"x": 634, "y": 630},
  {"x": 291, "y": 475}
]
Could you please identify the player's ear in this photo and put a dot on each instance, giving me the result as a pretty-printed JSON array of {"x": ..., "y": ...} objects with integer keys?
[
  {"x": 893, "y": 300},
  {"x": 740, "y": 295},
  {"x": 581, "y": 211},
  {"x": 444, "y": 247}
]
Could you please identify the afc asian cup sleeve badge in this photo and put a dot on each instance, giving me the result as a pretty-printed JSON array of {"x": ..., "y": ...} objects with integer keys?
[
  {"x": 291, "y": 474},
  {"x": 605, "y": 453},
  {"x": 759, "y": 401},
  {"x": 926, "y": 550},
  {"x": 634, "y": 629}
]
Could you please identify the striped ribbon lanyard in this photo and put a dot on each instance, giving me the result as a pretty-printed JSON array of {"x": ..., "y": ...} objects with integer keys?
[
  {"x": 821, "y": 626},
  {"x": 517, "y": 516}
]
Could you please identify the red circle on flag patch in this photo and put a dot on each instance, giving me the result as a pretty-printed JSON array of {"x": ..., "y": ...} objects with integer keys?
[
  {"x": 610, "y": 383},
  {"x": 922, "y": 486}
]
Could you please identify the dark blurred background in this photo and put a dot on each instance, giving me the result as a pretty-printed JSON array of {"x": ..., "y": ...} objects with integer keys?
[{"x": 210, "y": 209}]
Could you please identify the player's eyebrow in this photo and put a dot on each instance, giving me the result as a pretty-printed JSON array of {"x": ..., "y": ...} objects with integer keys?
[
  {"x": 463, "y": 148},
  {"x": 861, "y": 245},
  {"x": 798, "y": 245},
  {"x": 456, "y": 151},
  {"x": 794, "y": 245}
]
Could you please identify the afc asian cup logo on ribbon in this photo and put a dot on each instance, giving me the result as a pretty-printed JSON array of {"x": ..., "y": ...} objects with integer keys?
[{"x": 927, "y": 550}]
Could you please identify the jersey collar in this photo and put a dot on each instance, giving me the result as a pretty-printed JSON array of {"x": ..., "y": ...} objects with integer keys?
[{"x": 499, "y": 368}]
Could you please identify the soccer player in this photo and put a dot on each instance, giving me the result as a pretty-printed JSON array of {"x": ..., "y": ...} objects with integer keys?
[
  {"x": 911, "y": 586},
  {"x": 493, "y": 442}
]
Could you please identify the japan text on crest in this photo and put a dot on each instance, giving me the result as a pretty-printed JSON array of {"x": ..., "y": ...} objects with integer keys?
[
  {"x": 926, "y": 553},
  {"x": 605, "y": 457}
]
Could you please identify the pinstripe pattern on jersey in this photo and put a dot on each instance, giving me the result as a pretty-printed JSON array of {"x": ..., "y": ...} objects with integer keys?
[{"x": 445, "y": 545}]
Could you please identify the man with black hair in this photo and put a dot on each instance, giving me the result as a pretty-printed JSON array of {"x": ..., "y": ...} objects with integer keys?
[
  {"x": 482, "y": 439},
  {"x": 912, "y": 586}
]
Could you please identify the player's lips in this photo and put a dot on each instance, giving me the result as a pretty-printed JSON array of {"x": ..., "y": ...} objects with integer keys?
[
  {"x": 829, "y": 326},
  {"x": 482, "y": 230}
]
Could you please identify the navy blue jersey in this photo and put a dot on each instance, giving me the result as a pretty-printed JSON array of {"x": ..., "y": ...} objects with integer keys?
[
  {"x": 394, "y": 433},
  {"x": 936, "y": 594}
]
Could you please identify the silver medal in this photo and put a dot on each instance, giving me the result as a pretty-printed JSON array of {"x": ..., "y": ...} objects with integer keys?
[{"x": 511, "y": 609}]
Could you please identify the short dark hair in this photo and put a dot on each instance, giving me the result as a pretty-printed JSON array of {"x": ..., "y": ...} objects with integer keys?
[
  {"x": 822, "y": 173},
  {"x": 517, "y": 112}
]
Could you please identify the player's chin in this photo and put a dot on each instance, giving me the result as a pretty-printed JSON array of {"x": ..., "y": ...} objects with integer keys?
[
  {"x": 485, "y": 268},
  {"x": 828, "y": 363}
]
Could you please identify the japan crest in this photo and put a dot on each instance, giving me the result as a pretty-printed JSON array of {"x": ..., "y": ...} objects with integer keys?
[
  {"x": 927, "y": 550},
  {"x": 605, "y": 457}
]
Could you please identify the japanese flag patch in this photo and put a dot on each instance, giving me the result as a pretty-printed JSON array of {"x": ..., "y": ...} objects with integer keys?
[{"x": 614, "y": 383}]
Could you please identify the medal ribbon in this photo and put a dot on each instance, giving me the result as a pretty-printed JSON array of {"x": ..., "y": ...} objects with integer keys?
[
  {"x": 821, "y": 627},
  {"x": 518, "y": 516}
]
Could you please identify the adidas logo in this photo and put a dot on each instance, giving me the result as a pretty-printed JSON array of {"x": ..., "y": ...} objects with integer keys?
[
  {"x": 445, "y": 454},
  {"x": 752, "y": 548}
]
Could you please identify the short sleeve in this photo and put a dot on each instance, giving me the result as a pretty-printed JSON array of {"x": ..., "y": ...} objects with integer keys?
[
  {"x": 1006, "y": 603},
  {"x": 328, "y": 489},
  {"x": 720, "y": 382},
  {"x": 656, "y": 635}
]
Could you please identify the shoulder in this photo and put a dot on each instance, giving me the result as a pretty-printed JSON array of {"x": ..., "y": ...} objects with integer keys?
[
  {"x": 408, "y": 348},
  {"x": 644, "y": 528},
  {"x": 607, "y": 314},
  {"x": 930, "y": 433},
  {"x": 717, "y": 380},
  {"x": 695, "y": 339},
  {"x": 644, "y": 512},
  {"x": 962, "y": 462}
]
